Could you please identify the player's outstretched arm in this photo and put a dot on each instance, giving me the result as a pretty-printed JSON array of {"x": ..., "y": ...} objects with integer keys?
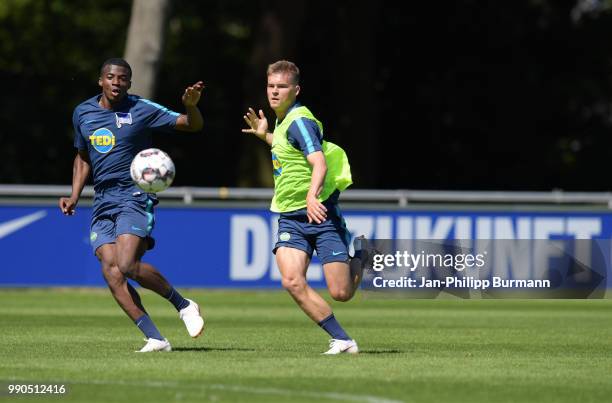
[
  {"x": 258, "y": 125},
  {"x": 80, "y": 172},
  {"x": 191, "y": 120}
]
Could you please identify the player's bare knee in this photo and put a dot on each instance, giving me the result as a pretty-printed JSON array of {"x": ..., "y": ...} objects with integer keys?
[
  {"x": 108, "y": 270},
  {"x": 112, "y": 275},
  {"x": 130, "y": 270},
  {"x": 294, "y": 285},
  {"x": 340, "y": 294}
]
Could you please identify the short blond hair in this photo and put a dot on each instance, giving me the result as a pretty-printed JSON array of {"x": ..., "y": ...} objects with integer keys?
[{"x": 285, "y": 66}]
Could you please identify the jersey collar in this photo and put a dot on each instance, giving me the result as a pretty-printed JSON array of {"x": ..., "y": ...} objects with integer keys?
[{"x": 95, "y": 101}]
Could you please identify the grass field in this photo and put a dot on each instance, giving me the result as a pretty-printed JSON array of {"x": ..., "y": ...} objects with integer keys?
[{"x": 259, "y": 347}]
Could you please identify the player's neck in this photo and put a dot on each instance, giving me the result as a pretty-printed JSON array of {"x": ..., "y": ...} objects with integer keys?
[
  {"x": 107, "y": 104},
  {"x": 280, "y": 115}
]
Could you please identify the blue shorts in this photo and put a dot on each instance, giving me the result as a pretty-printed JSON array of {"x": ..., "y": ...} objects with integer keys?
[
  {"x": 330, "y": 238},
  {"x": 118, "y": 211}
]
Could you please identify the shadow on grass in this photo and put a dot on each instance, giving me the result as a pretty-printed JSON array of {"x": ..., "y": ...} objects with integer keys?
[
  {"x": 205, "y": 349},
  {"x": 381, "y": 351}
]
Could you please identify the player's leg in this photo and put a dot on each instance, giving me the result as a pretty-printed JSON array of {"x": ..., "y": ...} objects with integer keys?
[
  {"x": 293, "y": 264},
  {"x": 340, "y": 280},
  {"x": 331, "y": 243},
  {"x": 127, "y": 250},
  {"x": 189, "y": 311},
  {"x": 293, "y": 252},
  {"x": 343, "y": 278},
  {"x": 136, "y": 297},
  {"x": 117, "y": 283},
  {"x": 150, "y": 278},
  {"x": 128, "y": 299},
  {"x": 102, "y": 238},
  {"x": 145, "y": 274},
  {"x": 340, "y": 285},
  {"x": 131, "y": 250},
  {"x": 134, "y": 225}
]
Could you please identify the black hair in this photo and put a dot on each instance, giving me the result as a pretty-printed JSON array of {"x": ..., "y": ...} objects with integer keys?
[{"x": 115, "y": 61}]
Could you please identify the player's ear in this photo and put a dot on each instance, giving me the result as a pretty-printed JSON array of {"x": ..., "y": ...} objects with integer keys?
[
  {"x": 297, "y": 90},
  {"x": 100, "y": 81},
  {"x": 129, "y": 84}
]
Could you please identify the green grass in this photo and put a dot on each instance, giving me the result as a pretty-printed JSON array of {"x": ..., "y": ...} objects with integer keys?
[{"x": 259, "y": 347}]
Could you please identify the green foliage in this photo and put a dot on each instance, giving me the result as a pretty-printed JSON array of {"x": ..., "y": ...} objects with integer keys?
[
  {"x": 50, "y": 54},
  {"x": 37, "y": 36},
  {"x": 514, "y": 96}
]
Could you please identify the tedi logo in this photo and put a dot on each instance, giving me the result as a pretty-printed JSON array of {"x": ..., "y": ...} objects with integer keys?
[
  {"x": 103, "y": 140},
  {"x": 278, "y": 168}
]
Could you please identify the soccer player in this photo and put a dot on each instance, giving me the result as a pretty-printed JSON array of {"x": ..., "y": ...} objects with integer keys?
[
  {"x": 110, "y": 129},
  {"x": 309, "y": 174}
]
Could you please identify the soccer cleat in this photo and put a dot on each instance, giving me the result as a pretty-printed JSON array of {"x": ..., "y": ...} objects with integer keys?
[
  {"x": 192, "y": 318},
  {"x": 362, "y": 258},
  {"x": 342, "y": 346},
  {"x": 155, "y": 345},
  {"x": 368, "y": 250}
]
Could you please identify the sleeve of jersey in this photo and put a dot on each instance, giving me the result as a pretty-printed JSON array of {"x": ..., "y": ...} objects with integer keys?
[
  {"x": 158, "y": 116},
  {"x": 304, "y": 135},
  {"x": 79, "y": 141}
]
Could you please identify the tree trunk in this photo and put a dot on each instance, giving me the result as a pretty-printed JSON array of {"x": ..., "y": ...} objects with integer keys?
[{"x": 145, "y": 43}]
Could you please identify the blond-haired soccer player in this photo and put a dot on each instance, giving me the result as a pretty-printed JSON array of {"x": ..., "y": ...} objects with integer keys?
[{"x": 309, "y": 174}]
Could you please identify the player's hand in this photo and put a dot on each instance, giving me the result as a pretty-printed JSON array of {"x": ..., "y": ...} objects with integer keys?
[
  {"x": 315, "y": 210},
  {"x": 258, "y": 125},
  {"x": 67, "y": 205},
  {"x": 191, "y": 97}
]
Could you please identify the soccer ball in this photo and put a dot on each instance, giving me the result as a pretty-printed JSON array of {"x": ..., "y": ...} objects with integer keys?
[{"x": 152, "y": 170}]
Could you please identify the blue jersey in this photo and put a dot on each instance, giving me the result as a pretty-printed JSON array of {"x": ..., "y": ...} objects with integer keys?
[
  {"x": 304, "y": 134},
  {"x": 113, "y": 137}
]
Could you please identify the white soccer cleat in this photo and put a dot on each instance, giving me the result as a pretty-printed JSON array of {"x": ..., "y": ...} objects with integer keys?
[
  {"x": 342, "y": 346},
  {"x": 155, "y": 345},
  {"x": 192, "y": 318}
]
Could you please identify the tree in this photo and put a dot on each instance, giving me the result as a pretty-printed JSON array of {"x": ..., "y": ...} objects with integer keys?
[{"x": 145, "y": 43}]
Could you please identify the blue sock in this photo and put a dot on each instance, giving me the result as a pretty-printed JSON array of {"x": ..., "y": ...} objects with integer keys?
[
  {"x": 331, "y": 326},
  {"x": 146, "y": 326},
  {"x": 177, "y": 299}
]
